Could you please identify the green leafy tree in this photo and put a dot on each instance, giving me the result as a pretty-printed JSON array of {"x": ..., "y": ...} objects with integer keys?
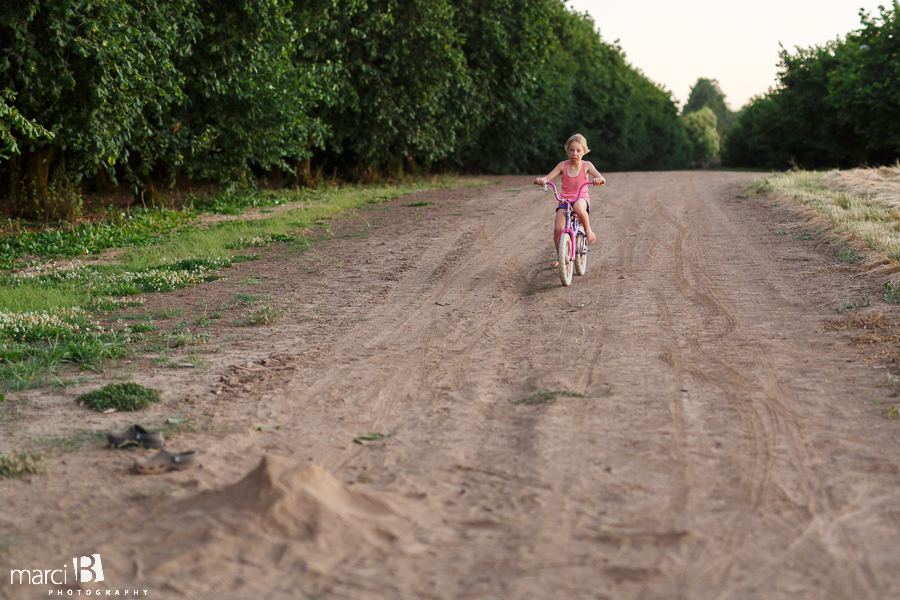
[
  {"x": 582, "y": 84},
  {"x": 393, "y": 78},
  {"x": 836, "y": 105},
  {"x": 154, "y": 91},
  {"x": 708, "y": 93},
  {"x": 865, "y": 85},
  {"x": 703, "y": 136},
  {"x": 84, "y": 71},
  {"x": 12, "y": 123},
  {"x": 245, "y": 101},
  {"x": 507, "y": 49}
]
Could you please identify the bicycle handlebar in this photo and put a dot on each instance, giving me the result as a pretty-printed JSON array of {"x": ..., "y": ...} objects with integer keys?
[{"x": 560, "y": 198}]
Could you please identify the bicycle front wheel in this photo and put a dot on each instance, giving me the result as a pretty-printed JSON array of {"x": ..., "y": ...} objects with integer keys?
[
  {"x": 566, "y": 264},
  {"x": 580, "y": 254}
]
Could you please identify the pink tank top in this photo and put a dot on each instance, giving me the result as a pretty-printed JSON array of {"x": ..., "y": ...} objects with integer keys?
[{"x": 570, "y": 185}]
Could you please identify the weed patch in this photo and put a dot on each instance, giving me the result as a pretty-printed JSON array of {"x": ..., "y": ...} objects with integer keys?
[
  {"x": 16, "y": 464},
  {"x": 891, "y": 294},
  {"x": 546, "y": 397},
  {"x": 259, "y": 242},
  {"x": 35, "y": 344},
  {"x": 264, "y": 315},
  {"x": 864, "y": 300},
  {"x": 246, "y": 299},
  {"x": 851, "y": 255},
  {"x": 111, "y": 304},
  {"x": 120, "y": 396}
]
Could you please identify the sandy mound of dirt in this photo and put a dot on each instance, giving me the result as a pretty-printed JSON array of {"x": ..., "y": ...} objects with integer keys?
[
  {"x": 282, "y": 527},
  {"x": 282, "y": 498}
]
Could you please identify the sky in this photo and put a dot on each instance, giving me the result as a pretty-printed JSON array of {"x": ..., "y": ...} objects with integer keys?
[{"x": 736, "y": 42}]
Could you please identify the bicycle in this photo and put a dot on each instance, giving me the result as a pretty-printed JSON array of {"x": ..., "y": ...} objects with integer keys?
[{"x": 573, "y": 241}]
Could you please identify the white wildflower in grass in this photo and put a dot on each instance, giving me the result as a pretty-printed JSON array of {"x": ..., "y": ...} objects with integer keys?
[
  {"x": 157, "y": 280},
  {"x": 110, "y": 303},
  {"x": 259, "y": 242},
  {"x": 48, "y": 268},
  {"x": 254, "y": 242},
  {"x": 58, "y": 323},
  {"x": 131, "y": 283}
]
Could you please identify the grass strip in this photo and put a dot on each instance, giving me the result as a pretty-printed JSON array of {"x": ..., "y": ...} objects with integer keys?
[
  {"x": 546, "y": 397},
  {"x": 44, "y": 303},
  {"x": 869, "y": 214}
]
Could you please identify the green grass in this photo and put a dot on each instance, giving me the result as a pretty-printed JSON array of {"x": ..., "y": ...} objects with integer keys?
[
  {"x": 162, "y": 250},
  {"x": 34, "y": 296},
  {"x": 72, "y": 441},
  {"x": 546, "y": 397},
  {"x": 132, "y": 228},
  {"x": 120, "y": 396}
]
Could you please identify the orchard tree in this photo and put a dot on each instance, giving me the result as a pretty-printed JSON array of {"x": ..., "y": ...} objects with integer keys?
[
  {"x": 392, "y": 76},
  {"x": 701, "y": 131},
  {"x": 13, "y": 126},
  {"x": 836, "y": 105},
  {"x": 865, "y": 85},
  {"x": 85, "y": 71},
  {"x": 708, "y": 92},
  {"x": 245, "y": 101}
]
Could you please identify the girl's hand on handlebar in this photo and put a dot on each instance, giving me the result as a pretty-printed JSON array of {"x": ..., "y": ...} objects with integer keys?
[
  {"x": 539, "y": 181},
  {"x": 599, "y": 180}
]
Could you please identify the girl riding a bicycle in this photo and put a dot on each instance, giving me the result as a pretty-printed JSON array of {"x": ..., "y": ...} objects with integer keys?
[{"x": 574, "y": 172}]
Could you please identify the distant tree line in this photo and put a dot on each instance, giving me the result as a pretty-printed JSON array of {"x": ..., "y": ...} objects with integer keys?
[
  {"x": 835, "y": 106},
  {"x": 708, "y": 120},
  {"x": 98, "y": 92}
]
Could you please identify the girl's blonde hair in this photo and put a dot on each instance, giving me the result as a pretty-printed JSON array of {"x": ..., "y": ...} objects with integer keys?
[{"x": 580, "y": 139}]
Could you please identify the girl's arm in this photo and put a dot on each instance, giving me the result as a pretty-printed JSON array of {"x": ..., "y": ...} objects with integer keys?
[
  {"x": 550, "y": 175},
  {"x": 598, "y": 178}
]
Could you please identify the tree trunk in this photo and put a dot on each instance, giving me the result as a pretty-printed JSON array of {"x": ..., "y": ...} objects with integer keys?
[
  {"x": 303, "y": 171},
  {"x": 31, "y": 192}
]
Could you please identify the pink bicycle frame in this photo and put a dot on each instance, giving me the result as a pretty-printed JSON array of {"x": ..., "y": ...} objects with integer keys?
[{"x": 569, "y": 221}]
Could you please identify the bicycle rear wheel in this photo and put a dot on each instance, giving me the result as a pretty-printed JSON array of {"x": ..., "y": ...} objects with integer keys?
[
  {"x": 566, "y": 264},
  {"x": 580, "y": 254}
]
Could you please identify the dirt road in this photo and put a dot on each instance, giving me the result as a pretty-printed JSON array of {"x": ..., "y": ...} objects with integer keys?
[{"x": 714, "y": 441}]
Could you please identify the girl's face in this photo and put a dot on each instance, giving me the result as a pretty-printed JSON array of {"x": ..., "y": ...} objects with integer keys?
[{"x": 576, "y": 151}]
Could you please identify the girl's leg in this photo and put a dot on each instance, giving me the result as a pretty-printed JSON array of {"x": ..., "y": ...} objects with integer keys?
[
  {"x": 580, "y": 209},
  {"x": 558, "y": 226}
]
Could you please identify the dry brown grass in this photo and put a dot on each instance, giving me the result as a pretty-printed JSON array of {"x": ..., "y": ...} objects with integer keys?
[
  {"x": 858, "y": 208},
  {"x": 859, "y": 321},
  {"x": 872, "y": 329},
  {"x": 881, "y": 184}
]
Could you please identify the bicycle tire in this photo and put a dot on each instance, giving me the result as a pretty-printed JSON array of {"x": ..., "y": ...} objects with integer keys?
[
  {"x": 580, "y": 257},
  {"x": 566, "y": 264}
]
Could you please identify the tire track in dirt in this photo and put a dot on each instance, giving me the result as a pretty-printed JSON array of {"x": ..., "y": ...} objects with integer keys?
[
  {"x": 776, "y": 424},
  {"x": 703, "y": 367},
  {"x": 530, "y": 505},
  {"x": 718, "y": 449},
  {"x": 786, "y": 425}
]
